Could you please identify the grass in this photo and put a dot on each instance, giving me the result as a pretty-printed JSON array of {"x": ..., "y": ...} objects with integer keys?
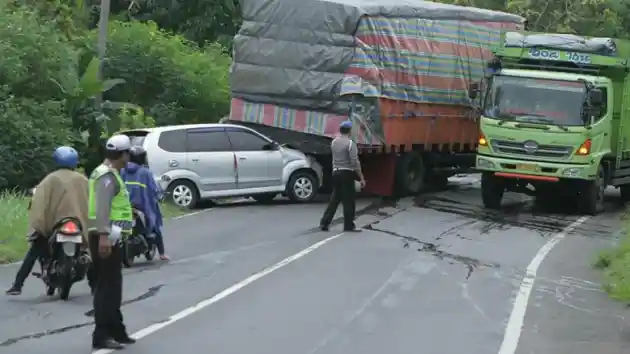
[
  {"x": 14, "y": 224},
  {"x": 615, "y": 264}
]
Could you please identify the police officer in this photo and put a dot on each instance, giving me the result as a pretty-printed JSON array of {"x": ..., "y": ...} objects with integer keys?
[
  {"x": 110, "y": 216},
  {"x": 346, "y": 170}
]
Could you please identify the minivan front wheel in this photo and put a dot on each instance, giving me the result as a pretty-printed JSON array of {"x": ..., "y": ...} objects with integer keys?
[
  {"x": 302, "y": 187},
  {"x": 183, "y": 194}
]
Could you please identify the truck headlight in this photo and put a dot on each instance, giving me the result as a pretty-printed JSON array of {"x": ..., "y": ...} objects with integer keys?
[
  {"x": 483, "y": 163},
  {"x": 572, "y": 172}
]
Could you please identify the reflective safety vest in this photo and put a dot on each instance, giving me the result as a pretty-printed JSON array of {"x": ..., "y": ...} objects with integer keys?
[{"x": 121, "y": 213}]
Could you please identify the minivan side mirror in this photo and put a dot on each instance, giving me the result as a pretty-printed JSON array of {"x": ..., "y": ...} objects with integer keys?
[
  {"x": 596, "y": 97},
  {"x": 271, "y": 146},
  {"x": 473, "y": 90}
]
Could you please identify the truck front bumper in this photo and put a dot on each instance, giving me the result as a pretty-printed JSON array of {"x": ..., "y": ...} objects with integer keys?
[{"x": 535, "y": 170}]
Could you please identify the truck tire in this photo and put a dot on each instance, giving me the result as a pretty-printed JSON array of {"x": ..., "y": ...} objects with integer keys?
[
  {"x": 410, "y": 173},
  {"x": 624, "y": 191},
  {"x": 591, "y": 198},
  {"x": 492, "y": 189}
]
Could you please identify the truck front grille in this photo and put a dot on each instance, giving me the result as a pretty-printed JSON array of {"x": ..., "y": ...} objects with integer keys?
[{"x": 518, "y": 148}]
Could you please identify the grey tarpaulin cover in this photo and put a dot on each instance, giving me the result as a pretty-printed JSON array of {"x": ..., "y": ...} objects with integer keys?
[
  {"x": 319, "y": 56},
  {"x": 601, "y": 46}
]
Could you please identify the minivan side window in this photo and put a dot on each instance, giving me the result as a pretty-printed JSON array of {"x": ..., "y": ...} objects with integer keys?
[
  {"x": 207, "y": 141},
  {"x": 243, "y": 140},
  {"x": 173, "y": 140}
]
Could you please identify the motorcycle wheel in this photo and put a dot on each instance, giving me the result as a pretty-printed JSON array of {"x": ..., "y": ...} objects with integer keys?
[
  {"x": 127, "y": 254},
  {"x": 65, "y": 278}
]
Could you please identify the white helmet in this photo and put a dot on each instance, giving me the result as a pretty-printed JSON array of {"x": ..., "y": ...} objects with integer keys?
[{"x": 118, "y": 143}]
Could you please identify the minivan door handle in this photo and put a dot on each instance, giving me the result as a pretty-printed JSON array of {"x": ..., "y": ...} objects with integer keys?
[
  {"x": 242, "y": 158},
  {"x": 195, "y": 160}
]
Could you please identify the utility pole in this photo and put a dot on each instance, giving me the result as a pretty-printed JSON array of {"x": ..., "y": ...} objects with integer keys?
[{"x": 102, "y": 42}]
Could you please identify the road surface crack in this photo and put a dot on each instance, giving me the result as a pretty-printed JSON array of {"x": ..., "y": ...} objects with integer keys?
[
  {"x": 433, "y": 249},
  {"x": 149, "y": 293},
  {"x": 49, "y": 332}
]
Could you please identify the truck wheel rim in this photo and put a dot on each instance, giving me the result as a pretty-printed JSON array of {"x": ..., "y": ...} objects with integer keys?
[
  {"x": 303, "y": 188},
  {"x": 182, "y": 195}
]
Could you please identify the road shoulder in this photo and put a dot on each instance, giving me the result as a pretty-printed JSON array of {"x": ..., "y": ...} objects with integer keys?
[{"x": 568, "y": 310}]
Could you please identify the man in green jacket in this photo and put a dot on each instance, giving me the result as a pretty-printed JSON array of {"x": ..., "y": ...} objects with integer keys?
[{"x": 109, "y": 218}]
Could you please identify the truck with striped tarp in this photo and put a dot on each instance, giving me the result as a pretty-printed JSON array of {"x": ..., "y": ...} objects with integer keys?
[
  {"x": 398, "y": 69},
  {"x": 553, "y": 125}
]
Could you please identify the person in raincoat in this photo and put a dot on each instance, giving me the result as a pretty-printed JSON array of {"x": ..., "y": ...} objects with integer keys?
[
  {"x": 61, "y": 194},
  {"x": 145, "y": 194}
]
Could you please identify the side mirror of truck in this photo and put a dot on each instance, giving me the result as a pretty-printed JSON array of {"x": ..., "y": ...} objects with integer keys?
[
  {"x": 473, "y": 90},
  {"x": 596, "y": 97}
]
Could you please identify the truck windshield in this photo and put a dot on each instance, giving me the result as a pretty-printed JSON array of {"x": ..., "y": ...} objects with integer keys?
[{"x": 535, "y": 100}]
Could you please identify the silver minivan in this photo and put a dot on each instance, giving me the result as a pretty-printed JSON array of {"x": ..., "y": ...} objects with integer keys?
[{"x": 212, "y": 161}]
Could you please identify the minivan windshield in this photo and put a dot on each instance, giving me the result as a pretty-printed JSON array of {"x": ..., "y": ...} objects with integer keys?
[{"x": 535, "y": 100}]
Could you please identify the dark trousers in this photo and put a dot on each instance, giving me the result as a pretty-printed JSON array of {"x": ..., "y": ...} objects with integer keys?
[
  {"x": 107, "y": 274},
  {"x": 159, "y": 242},
  {"x": 35, "y": 251},
  {"x": 343, "y": 192}
]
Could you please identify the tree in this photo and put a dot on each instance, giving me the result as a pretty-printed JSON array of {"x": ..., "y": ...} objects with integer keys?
[{"x": 605, "y": 18}]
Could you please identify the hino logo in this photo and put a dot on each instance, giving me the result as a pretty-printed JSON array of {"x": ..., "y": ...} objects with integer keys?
[{"x": 530, "y": 146}]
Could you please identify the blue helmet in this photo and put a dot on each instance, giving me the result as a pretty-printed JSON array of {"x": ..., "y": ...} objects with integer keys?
[
  {"x": 346, "y": 124},
  {"x": 66, "y": 156}
]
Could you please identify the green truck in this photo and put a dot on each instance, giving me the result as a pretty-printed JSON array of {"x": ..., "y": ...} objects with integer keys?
[{"x": 555, "y": 116}]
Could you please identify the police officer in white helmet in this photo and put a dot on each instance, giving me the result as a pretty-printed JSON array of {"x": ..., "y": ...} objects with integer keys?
[{"x": 109, "y": 218}]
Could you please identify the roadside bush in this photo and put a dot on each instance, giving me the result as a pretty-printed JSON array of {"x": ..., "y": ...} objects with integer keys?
[
  {"x": 37, "y": 65},
  {"x": 168, "y": 76},
  {"x": 30, "y": 132},
  {"x": 615, "y": 263}
]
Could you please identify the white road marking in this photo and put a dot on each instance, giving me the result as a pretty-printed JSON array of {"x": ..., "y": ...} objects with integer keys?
[
  {"x": 517, "y": 316},
  {"x": 189, "y": 214},
  {"x": 225, "y": 293}
]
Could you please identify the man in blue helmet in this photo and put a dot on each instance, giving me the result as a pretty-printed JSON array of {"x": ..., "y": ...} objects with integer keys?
[
  {"x": 61, "y": 194},
  {"x": 346, "y": 170}
]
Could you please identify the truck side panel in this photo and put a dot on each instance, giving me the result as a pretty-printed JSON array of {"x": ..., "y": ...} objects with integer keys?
[{"x": 428, "y": 127}]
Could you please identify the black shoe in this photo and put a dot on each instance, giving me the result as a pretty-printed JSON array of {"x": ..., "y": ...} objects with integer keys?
[
  {"x": 323, "y": 227},
  {"x": 14, "y": 290},
  {"x": 107, "y": 344},
  {"x": 125, "y": 339}
]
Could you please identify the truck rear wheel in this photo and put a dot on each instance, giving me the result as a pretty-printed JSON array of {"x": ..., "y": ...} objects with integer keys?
[
  {"x": 492, "y": 188},
  {"x": 624, "y": 191},
  {"x": 410, "y": 173},
  {"x": 591, "y": 198}
]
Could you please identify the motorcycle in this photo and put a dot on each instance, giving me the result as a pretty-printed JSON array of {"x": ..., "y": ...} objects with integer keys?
[
  {"x": 140, "y": 242},
  {"x": 66, "y": 262}
]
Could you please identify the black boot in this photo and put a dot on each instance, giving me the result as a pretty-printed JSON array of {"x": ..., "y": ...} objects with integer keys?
[
  {"x": 107, "y": 344},
  {"x": 14, "y": 290}
]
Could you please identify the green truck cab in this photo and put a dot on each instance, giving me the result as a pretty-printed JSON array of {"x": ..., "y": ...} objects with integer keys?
[{"x": 554, "y": 119}]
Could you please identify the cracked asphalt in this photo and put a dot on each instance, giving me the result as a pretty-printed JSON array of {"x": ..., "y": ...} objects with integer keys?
[{"x": 434, "y": 274}]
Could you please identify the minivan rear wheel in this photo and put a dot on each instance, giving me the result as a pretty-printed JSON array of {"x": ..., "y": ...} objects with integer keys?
[{"x": 183, "y": 194}]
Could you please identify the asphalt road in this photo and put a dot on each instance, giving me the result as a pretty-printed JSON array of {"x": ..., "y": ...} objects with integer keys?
[{"x": 436, "y": 274}]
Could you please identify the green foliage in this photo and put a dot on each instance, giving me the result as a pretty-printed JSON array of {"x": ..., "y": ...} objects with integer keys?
[
  {"x": 36, "y": 66},
  {"x": 615, "y": 264},
  {"x": 174, "y": 81},
  {"x": 31, "y": 130},
  {"x": 607, "y": 18},
  {"x": 200, "y": 21}
]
